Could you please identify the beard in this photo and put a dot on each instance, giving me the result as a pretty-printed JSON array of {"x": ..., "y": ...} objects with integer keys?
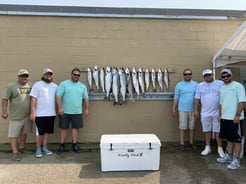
[{"x": 47, "y": 79}]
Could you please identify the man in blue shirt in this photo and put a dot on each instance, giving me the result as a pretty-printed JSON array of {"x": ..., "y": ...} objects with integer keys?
[
  {"x": 70, "y": 97},
  {"x": 184, "y": 98}
]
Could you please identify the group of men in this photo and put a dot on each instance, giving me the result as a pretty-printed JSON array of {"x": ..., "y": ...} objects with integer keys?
[
  {"x": 37, "y": 103},
  {"x": 219, "y": 104}
]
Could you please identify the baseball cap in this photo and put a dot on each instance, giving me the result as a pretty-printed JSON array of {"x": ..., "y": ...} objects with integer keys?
[
  {"x": 207, "y": 71},
  {"x": 22, "y": 71},
  {"x": 226, "y": 71},
  {"x": 47, "y": 70}
]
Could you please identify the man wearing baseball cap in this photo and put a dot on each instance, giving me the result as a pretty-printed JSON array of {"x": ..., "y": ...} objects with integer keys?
[
  {"x": 208, "y": 95},
  {"x": 232, "y": 103},
  {"x": 43, "y": 110},
  {"x": 17, "y": 97}
]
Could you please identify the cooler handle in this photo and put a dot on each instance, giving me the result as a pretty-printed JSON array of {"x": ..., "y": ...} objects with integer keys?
[
  {"x": 111, "y": 147},
  {"x": 150, "y": 146}
]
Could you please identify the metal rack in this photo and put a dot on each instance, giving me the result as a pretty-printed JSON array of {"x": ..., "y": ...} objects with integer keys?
[{"x": 146, "y": 96}]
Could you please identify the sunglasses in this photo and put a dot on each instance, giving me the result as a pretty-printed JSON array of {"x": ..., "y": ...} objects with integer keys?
[
  {"x": 185, "y": 74},
  {"x": 76, "y": 75},
  {"x": 23, "y": 76},
  {"x": 207, "y": 75},
  {"x": 225, "y": 76},
  {"x": 48, "y": 73}
]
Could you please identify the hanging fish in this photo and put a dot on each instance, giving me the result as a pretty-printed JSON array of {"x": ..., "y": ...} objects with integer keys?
[
  {"x": 160, "y": 79},
  {"x": 146, "y": 78},
  {"x": 102, "y": 79},
  {"x": 129, "y": 83},
  {"x": 166, "y": 78},
  {"x": 135, "y": 81},
  {"x": 116, "y": 86},
  {"x": 89, "y": 78},
  {"x": 153, "y": 79},
  {"x": 141, "y": 80},
  {"x": 108, "y": 82},
  {"x": 122, "y": 75},
  {"x": 96, "y": 77}
]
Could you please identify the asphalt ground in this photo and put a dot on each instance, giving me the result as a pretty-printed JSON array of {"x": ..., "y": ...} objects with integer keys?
[{"x": 175, "y": 167}]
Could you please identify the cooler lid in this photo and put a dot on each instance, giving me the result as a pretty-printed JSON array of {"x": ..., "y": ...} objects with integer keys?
[{"x": 136, "y": 140}]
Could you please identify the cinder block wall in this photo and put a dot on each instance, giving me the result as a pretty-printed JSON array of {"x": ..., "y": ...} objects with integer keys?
[{"x": 61, "y": 43}]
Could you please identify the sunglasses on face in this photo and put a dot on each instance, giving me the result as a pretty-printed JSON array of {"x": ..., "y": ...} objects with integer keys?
[
  {"x": 76, "y": 75},
  {"x": 48, "y": 73},
  {"x": 23, "y": 76},
  {"x": 225, "y": 76},
  {"x": 185, "y": 74},
  {"x": 207, "y": 75}
]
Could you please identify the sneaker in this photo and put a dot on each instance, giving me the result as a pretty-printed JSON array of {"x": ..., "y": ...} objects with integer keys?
[
  {"x": 38, "y": 153},
  {"x": 226, "y": 159},
  {"x": 61, "y": 148},
  {"x": 24, "y": 151},
  {"x": 15, "y": 157},
  {"x": 75, "y": 148},
  {"x": 234, "y": 164},
  {"x": 46, "y": 151},
  {"x": 206, "y": 151},
  {"x": 181, "y": 147},
  {"x": 221, "y": 152}
]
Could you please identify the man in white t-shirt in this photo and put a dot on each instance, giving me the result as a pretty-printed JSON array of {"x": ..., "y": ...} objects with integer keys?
[
  {"x": 208, "y": 96},
  {"x": 43, "y": 110}
]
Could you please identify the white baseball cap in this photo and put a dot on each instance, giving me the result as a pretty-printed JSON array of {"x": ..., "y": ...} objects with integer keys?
[
  {"x": 47, "y": 70},
  {"x": 226, "y": 71},
  {"x": 207, "y": 71}
]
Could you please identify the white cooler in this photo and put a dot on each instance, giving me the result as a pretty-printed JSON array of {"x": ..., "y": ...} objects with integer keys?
[{"x": 126, "y": 152}]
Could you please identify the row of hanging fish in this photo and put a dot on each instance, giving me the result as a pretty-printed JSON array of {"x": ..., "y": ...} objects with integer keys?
[{"x": 122, "y": 82}]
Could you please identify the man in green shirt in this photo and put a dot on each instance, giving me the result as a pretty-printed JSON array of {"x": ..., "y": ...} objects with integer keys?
[{"x": 17, "y": 97}]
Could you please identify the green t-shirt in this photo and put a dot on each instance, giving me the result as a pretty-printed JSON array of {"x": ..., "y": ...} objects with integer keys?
[{"x": 19, "y": 100}]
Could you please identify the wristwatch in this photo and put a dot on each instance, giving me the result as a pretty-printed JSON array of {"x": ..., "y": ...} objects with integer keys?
[{"x": 238, "y": 114}]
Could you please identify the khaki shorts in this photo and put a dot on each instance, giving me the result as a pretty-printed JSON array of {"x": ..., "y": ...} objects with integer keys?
[
  {"x": 19, "y": 127},
  {"x": 186, "y": 119},
  {"x": 210, "y": 124}
]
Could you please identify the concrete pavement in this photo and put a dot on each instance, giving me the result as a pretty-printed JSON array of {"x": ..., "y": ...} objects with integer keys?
[{"x": 175, "y": 167}]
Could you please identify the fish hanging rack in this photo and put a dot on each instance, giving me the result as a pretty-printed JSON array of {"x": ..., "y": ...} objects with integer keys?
[
  {"x": 148, "y": 96},
  {"x": 170, "y": 69}
]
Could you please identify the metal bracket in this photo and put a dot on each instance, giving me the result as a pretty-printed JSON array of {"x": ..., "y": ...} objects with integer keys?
[{"x": 146, "y": 96}]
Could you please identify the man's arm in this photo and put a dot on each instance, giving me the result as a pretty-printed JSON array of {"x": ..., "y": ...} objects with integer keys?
[
  {"x": 86, "y": 107},
  {"x": 59, "y": 105},
  {"x": 4, "y": 108},
  {"x": 240, "y": 108},
  {"x": 33, "y": 108},
  {"x": 174, "y": 108},
  {"x": 196, "y": 108}
]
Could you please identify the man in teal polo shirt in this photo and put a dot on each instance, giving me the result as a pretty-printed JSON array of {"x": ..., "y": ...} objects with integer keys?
[{"x": 70, "y": 97}]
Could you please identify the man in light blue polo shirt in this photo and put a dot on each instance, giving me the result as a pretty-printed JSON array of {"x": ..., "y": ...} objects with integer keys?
[
  {"x": 70, "y": 97},
  {"x": 184, "y": 98}
]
